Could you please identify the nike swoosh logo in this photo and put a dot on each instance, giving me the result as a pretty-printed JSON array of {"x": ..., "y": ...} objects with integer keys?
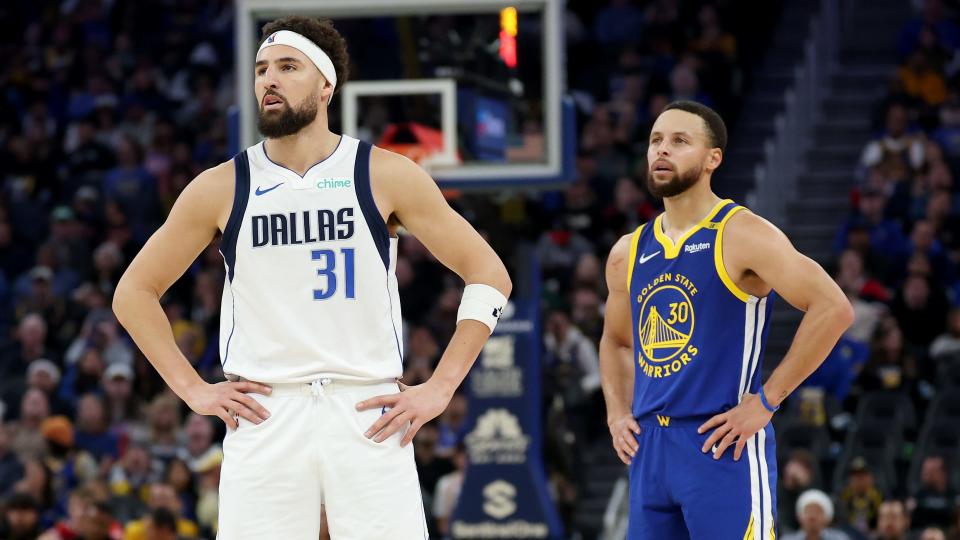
[
  {"x": 261, "y": 191},
  {"x": 645, "y": 258}
]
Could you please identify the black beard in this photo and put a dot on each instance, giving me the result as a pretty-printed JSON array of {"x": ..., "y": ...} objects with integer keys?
[
  {"x": 677, "y": 185},
  {"x": 289, "y": 121}
]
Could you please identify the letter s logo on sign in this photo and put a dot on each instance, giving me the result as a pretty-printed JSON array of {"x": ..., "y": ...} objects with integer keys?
[{"x": 500, "y": 496}]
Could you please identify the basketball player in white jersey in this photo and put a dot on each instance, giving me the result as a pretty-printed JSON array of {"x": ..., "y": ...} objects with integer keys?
[{"x": 310, "y": 320}]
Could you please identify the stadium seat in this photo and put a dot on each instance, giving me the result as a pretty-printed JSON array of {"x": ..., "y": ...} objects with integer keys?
[
  {"x": 892, "y": 408},
  {"x": 795, "y": 435}
]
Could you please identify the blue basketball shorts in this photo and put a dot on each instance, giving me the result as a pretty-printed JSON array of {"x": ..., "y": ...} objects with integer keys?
[{"x": 678, "y": 492}]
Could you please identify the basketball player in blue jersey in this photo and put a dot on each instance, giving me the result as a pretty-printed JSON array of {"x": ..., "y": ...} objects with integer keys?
[
  {"x": 687, "y": 314},
  {"x": 310, "y": 321}
]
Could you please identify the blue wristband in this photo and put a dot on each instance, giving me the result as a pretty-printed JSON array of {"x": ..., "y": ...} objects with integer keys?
[{"x": 765, "y": 403}]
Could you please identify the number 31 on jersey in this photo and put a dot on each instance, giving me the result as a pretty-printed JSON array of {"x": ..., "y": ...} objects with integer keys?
[{"x": 327, "y": 269}]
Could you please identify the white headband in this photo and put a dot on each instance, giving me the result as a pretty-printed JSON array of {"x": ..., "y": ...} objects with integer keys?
[{"x": 307, "y": 47}]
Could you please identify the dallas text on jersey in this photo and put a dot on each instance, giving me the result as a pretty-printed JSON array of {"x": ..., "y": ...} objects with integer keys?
[{"x": 307, "y": 227}]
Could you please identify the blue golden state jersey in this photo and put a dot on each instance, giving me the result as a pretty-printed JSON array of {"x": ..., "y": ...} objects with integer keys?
[{"x": 697, "y": 338}]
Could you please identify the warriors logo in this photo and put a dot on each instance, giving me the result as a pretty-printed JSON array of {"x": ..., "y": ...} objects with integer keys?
[{"x": 667, "y": 321}]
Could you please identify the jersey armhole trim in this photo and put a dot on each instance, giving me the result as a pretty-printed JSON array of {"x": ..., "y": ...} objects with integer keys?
[
  {"x": 364, "y": 189},
  {"x": 718, "y": 258},
  {"x": 241, "y": 192},
  {"x": 634, "y": 242}
]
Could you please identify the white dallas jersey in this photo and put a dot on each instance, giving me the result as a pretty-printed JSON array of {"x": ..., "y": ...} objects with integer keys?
[{"x": 310, "y": 289}]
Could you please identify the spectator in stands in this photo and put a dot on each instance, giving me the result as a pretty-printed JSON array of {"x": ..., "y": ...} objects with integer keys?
[
  {"x": 208, "y": 472},
  {"x": 854, "y": 280},
  {"x": 25, "y": 435},
  {"x": 179, "y": 476},
  {"x": 37, "y": 482},
  {"x": 44, "y": 376},
  {"x": 83, "y": 377},
  {"x": 21, "y": 518},
  {"x": 947, "y": 344},
  {"x": 866, "y": 295},
  {"x": 559, "y": 249},
  {"x": 40, "y": 297},
  {"x": 713, "y": 41},
  {"x": 122, "y": 411},
  {"x": 131, "y": 474},
  {"x": 839, "y": 369},
  {"x": 571, "y": 359},
  {"x": 921, "y": 311},
  {"x": 199, "y": 441},
  {"x": 923, "y": 240},
  {"x": 885, "y": 237},
  {"x": 11, "y": 468},
  {"x": 814, "y": 511},
  {"x": 629, "y": 209},
  {"x": 81, "y": 510},
  {"x": 932, "y": 18},
  {"x": 891, "y": 366},
  {"x": 430, "y": 466},
  {"x": 571, "y": 369},
  {"x": 898, "y": 153},
  {"x": 447, "y": 492},
  {"x": 797, "y": 478},
  {"x": 588, "y": 274},
  {"x": 450, "y": 425},
  {"x": 922, "y": 80},
  {"x": 893, "y": 522},
  {"x": 71, "y": 466},
  {"x": 947, "y": 135},
  {"x": 131, "y": 186},
  {"x": 423, "y": 353},
  {"x": 685, "y": 84},
  {"x": 30, "y": 345},
  {"x": 587, "y": 312},
  {"x": 860, "y": 500},
  {"x": 163, "y": 437},
  {"x": 100, "y": 332},
  {"x": 161, "y": 525},
  {"x": 92, "y": 432},
  {"x": 933, "y": 504},
  {"x": 161, "y": 496},
  {"x": 933, "y": 533}
]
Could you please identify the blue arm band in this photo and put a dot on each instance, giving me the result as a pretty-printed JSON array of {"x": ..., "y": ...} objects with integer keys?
[{"x": 765, "y": 403}]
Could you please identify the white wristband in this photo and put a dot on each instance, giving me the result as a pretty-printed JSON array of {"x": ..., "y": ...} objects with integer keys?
[{"x": 481, "y": 303}]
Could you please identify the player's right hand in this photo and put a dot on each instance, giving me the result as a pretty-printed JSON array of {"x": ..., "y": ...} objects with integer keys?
[
  {"x": 623, "y": 431},
  {"x": 229, "y": 401}
]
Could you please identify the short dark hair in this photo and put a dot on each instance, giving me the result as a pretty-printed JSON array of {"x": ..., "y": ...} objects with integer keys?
[
  {"x": 322, "y": 33},
  {"x": 164, "y": 518},
  {"x": 716, "y": 129}
]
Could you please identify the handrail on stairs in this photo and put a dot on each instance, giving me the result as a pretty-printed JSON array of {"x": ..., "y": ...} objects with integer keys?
[{"x": 776, "y": 176}]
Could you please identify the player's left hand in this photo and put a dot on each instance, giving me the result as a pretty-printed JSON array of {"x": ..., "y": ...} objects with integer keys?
[
  {"x": 735, "y": 426},
  {"x": 415, "y": 404}
]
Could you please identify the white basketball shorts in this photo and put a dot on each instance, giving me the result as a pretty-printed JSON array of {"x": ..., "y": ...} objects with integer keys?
[{"x": 312, "y": 451}]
